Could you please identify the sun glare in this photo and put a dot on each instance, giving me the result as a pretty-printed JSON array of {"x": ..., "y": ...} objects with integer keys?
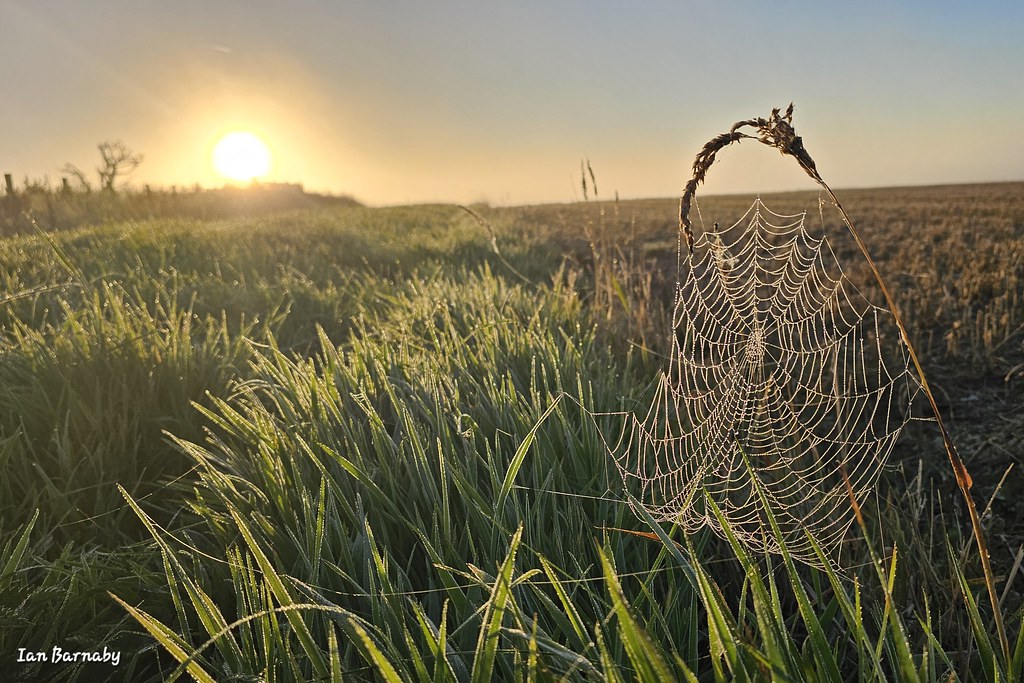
[{"x": 241, "y": 156}]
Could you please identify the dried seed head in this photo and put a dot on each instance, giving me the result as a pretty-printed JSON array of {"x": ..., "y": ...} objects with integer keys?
[{"x": 775, "y": 131}]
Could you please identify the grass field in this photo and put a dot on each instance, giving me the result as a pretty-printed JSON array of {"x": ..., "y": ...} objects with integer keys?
[{"x": 359, "y": 443}]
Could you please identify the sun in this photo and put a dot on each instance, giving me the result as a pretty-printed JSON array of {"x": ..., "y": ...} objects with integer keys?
[{"x": 241, "y": 156}]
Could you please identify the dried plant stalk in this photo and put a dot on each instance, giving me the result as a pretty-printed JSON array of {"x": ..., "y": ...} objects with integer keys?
[{"x": 777, "y": 131}]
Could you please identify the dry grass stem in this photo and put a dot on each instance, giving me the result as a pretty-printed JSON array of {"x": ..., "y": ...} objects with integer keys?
[{"x": 777, "y": 131}]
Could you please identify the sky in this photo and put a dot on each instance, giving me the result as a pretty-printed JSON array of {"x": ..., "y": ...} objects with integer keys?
[{"x": 467, "y": 101}]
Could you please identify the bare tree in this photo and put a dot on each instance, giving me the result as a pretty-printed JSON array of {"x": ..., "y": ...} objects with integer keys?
[{"x": 118, "y": 160}]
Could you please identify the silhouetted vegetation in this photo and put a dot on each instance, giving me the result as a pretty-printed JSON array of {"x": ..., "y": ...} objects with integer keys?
[{"x": 63, "y": 208}]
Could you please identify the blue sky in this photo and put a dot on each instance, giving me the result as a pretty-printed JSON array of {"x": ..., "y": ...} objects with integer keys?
[{"x": 399, "y": 102}]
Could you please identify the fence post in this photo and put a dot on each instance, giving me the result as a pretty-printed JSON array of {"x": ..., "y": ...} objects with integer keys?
[{"x": 9, "y": 182}]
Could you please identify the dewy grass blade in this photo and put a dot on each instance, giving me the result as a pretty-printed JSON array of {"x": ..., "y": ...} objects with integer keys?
[
  {"x": 904, "y": 657},
  {"x": 610, "y": 670},
  {"x": 1016, "y": 671},
  {"x": 518, "y": 458},
  {"x": 569, "y": 609},
  {"x": 824, "y": 656},
  {"x": 316, "y": 560},
  {"x": 372, "y": 653},
  {"x": 446, "y": 668},
  {"x": 667, "y": 542},
  {"x": 986, "y": 652},
  {"x": 168, "y": 639},
  {"x": 852, "y": 615},
  {"x": 280, "y": 591},
  {"x": 335, "y": 654},
  {"x": 205, "y": 607},
  {"x": 774, "y": 633},
  {"x": 418, "y": 664},
  {"x": 647, "y": 658},
  {"x": 14, "y": 559},
  {"x": 487, "y": 642},
  {"x": 723, "y": 634},
  {"x": 63, "y": 257}
]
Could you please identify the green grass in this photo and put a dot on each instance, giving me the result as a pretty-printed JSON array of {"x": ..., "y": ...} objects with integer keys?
[{"x": 357, "y": 444}]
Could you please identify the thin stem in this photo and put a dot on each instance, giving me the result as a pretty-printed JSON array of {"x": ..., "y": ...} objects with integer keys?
[{"x": 777, "y": 131}]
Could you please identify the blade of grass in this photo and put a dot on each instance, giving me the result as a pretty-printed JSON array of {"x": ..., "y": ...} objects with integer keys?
[
  {"x": 986, "y": 652},
  {"x": 518, "y": 458},
  {"x": 823, "y": 655},
  {"x": 851, "y": 613},
  {"x": 284, "y": 598},
  {"x": 371, "y": 652},
  {"x": 646, "y": 657},
  {"x": 568, "y": 608},
  {"x": 19, "y": 550},
  {"x": 168, "y": 639},
  {"x": 335, "y": 655},
  {"x": 774, "y": 633},
  {"x": 487, "y": 642}
]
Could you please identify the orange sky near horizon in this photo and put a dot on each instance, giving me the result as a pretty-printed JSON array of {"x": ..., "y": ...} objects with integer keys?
[{"x": 462, "y": 102}]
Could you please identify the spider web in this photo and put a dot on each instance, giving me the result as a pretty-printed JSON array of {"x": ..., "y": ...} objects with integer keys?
[{"x": 786, "y": 390}]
